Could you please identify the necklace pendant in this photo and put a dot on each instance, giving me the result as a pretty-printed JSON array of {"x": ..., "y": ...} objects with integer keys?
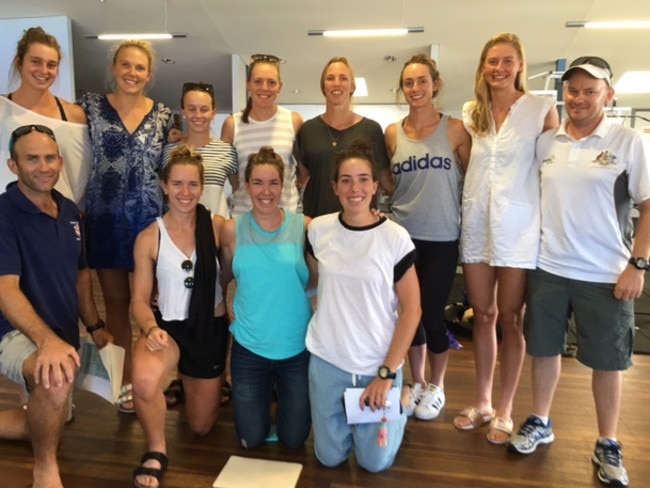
[{"x": 333, "y": 143}]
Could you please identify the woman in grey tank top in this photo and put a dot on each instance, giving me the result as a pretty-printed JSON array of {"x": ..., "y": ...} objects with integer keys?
[{"x": 428, "y": 152}]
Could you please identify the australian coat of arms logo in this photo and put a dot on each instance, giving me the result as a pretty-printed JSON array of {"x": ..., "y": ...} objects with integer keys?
[{"x": 606, "y": 158}]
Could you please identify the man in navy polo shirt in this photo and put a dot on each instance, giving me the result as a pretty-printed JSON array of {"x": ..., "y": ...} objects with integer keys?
[{"x": 45, "y": 286}]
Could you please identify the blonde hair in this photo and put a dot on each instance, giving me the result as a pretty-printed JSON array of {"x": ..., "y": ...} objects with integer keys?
[
  {"x": 342, "y": 60},
  {"x": 144, "y": 46},
  {"x": 480, "y": 109}
]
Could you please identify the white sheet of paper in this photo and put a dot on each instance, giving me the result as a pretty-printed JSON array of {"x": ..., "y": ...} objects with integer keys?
[
  {"x": 101, "y": 370},
  {"x": 241, "y": 472},
  {"x": 357, "y": 416}
]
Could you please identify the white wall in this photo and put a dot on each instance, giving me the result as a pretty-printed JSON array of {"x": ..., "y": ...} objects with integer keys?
[{"x": 60, "y": 27}]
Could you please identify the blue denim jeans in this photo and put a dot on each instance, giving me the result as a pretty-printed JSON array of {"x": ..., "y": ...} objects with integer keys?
[
  {"x": 253, "y": 381},
  {"x": 334, "y": 438}
]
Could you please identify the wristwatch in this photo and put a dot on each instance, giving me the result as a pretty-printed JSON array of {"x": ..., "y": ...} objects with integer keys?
[
  {"x": 640, "y": 263},
  {"x": 99, "y": 325},
  {"x": 385, "y": 373}
]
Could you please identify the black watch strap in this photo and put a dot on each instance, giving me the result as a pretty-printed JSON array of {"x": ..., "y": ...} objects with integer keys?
[
  {"x": 640, "y": 263},
  {"x": 94, "y": 328}
]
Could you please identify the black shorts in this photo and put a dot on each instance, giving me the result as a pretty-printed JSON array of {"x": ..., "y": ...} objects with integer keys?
[{"x": 199, "y": 358}]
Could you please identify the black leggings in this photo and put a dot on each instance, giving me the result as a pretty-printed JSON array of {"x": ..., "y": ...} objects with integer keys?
[{"x": 436, "y": 268}]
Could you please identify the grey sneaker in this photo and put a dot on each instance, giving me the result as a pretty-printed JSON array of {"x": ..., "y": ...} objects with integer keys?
[
  {"x": 431, "y": 402},
  {"x": 607, "y": 456},
  {"x": 531, "y": 434}
]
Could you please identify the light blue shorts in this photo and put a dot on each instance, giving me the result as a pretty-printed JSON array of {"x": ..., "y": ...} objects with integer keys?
[
  {"x": 15, "y": 348},
  {"x": 334, "y": 438}
]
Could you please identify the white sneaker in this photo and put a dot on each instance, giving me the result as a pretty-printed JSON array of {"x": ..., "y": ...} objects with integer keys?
[
  {"x": 413, "y": 399},
  {"x": 431, "y": 402}
]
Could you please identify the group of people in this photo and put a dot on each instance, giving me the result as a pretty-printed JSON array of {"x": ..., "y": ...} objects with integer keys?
[{"x": 155, "y": 206}]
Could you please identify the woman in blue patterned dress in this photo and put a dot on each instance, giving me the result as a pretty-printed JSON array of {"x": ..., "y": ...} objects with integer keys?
[{"x": 128, "y": 131}]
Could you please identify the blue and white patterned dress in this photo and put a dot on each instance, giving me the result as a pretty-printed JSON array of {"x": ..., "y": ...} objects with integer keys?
[{"x": 124, "y": 194}]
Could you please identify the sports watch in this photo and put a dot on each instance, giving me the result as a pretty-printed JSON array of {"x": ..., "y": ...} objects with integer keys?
[
  {"x": 385, "y": 373},
  {"x": 640, "y": 263}
]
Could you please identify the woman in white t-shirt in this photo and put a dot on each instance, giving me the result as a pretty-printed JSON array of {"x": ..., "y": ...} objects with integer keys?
[{"x": 356, "y": 339}]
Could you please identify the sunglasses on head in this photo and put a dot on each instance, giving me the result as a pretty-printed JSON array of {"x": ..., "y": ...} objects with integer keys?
[
  {"x": 26, "y": 129},
  {"x": 200, "y": 86},
  {"x": 266, "y": 58},
  {"x": 592, "y": 60},
  {"x": 187, "y": 266}
]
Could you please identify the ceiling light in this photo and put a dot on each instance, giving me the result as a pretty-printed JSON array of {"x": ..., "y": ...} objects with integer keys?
[
  {"x": 365, "y": 32},
  {"x": 361, "y": 87},
  {"x": 623, "y": 24},
  {"x": 151, "y": 36},
  {"x": 633, "y": 82}
]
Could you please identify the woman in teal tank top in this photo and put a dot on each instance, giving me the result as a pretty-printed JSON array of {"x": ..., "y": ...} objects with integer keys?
[{"x": 263, "y": 251}]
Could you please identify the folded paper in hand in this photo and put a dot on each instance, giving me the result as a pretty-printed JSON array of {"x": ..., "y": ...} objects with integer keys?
[
  {"x": 101, "y": 370},
  {"x": 357, "y": 416}
]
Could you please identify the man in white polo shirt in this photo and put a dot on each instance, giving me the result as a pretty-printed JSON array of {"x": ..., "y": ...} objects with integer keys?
[{"x": 592, "y": 172}]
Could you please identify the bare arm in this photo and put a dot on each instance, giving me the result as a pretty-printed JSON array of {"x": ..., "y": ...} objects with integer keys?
[
  {"x": 227, "y": 237},
  {"x": 312, "y": 263},
  {"x": 144, "y": 254},
  {"x": 56, "y": 359},
  {"x": 87, "y": 308},
  {"x": 630, "y": 282},
  {"x": 408, "y": 293},
  {"x": 74, "y": 113},
  {"x": 552, "y": 119},
  {"x": 386, "y": 176},
  {"x": 234, "y": 181},
  {"x": 461, "y": 141},
  {"x": 228, "y": 130},
  {"x": 303, "y": 175},
  {"x": 296, "y": 121}
]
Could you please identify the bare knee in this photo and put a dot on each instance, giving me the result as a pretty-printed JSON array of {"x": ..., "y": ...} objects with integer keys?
[
  {"x": 202, "y": 427},
  {"x": 485, "y": 317},
  {"x": 145, "y": 386}
]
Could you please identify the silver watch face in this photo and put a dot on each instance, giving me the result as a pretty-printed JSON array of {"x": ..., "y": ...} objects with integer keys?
[{"x": 641, "y": 263}]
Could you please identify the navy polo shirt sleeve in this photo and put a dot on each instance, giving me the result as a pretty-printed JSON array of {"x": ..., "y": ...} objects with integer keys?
[{"x": 10, "y": 262}]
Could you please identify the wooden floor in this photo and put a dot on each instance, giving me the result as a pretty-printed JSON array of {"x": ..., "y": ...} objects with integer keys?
[{"x": 100, "y": 447}]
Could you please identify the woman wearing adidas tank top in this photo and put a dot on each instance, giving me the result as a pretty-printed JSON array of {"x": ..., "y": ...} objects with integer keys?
[
  {"x": 36, "y": 64},
  {"x": 219, "y": 158},
  {"x": 429, "y": 152},
  {"x": 263, "y": 250},
  {"x": 500, "y": 227},
  {"x": 356, "y": 338},
  {"x": 178, "y": 252},
  {"x": 264, "y": 123}
]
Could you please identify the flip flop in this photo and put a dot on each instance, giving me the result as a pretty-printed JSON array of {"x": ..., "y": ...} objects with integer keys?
[
  {"x": 501, "y": 426},
  {"x": 126, "y": 397},
  {"x": 476, "y": 418}
]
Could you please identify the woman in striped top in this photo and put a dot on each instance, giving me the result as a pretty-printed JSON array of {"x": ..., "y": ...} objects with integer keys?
[
  {"x": 219, "y": 157},
  {"x": 264, "y": 123}
]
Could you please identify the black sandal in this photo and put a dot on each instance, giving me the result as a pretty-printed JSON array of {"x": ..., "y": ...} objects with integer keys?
[
  {"x": 174, "y": 394},
  {"x": 153, "y": 472}
]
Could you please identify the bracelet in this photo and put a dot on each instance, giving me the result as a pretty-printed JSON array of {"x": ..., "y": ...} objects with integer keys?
[
  {"x": 94, "y": 328},
  {"x": 146, "y": 334}
]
